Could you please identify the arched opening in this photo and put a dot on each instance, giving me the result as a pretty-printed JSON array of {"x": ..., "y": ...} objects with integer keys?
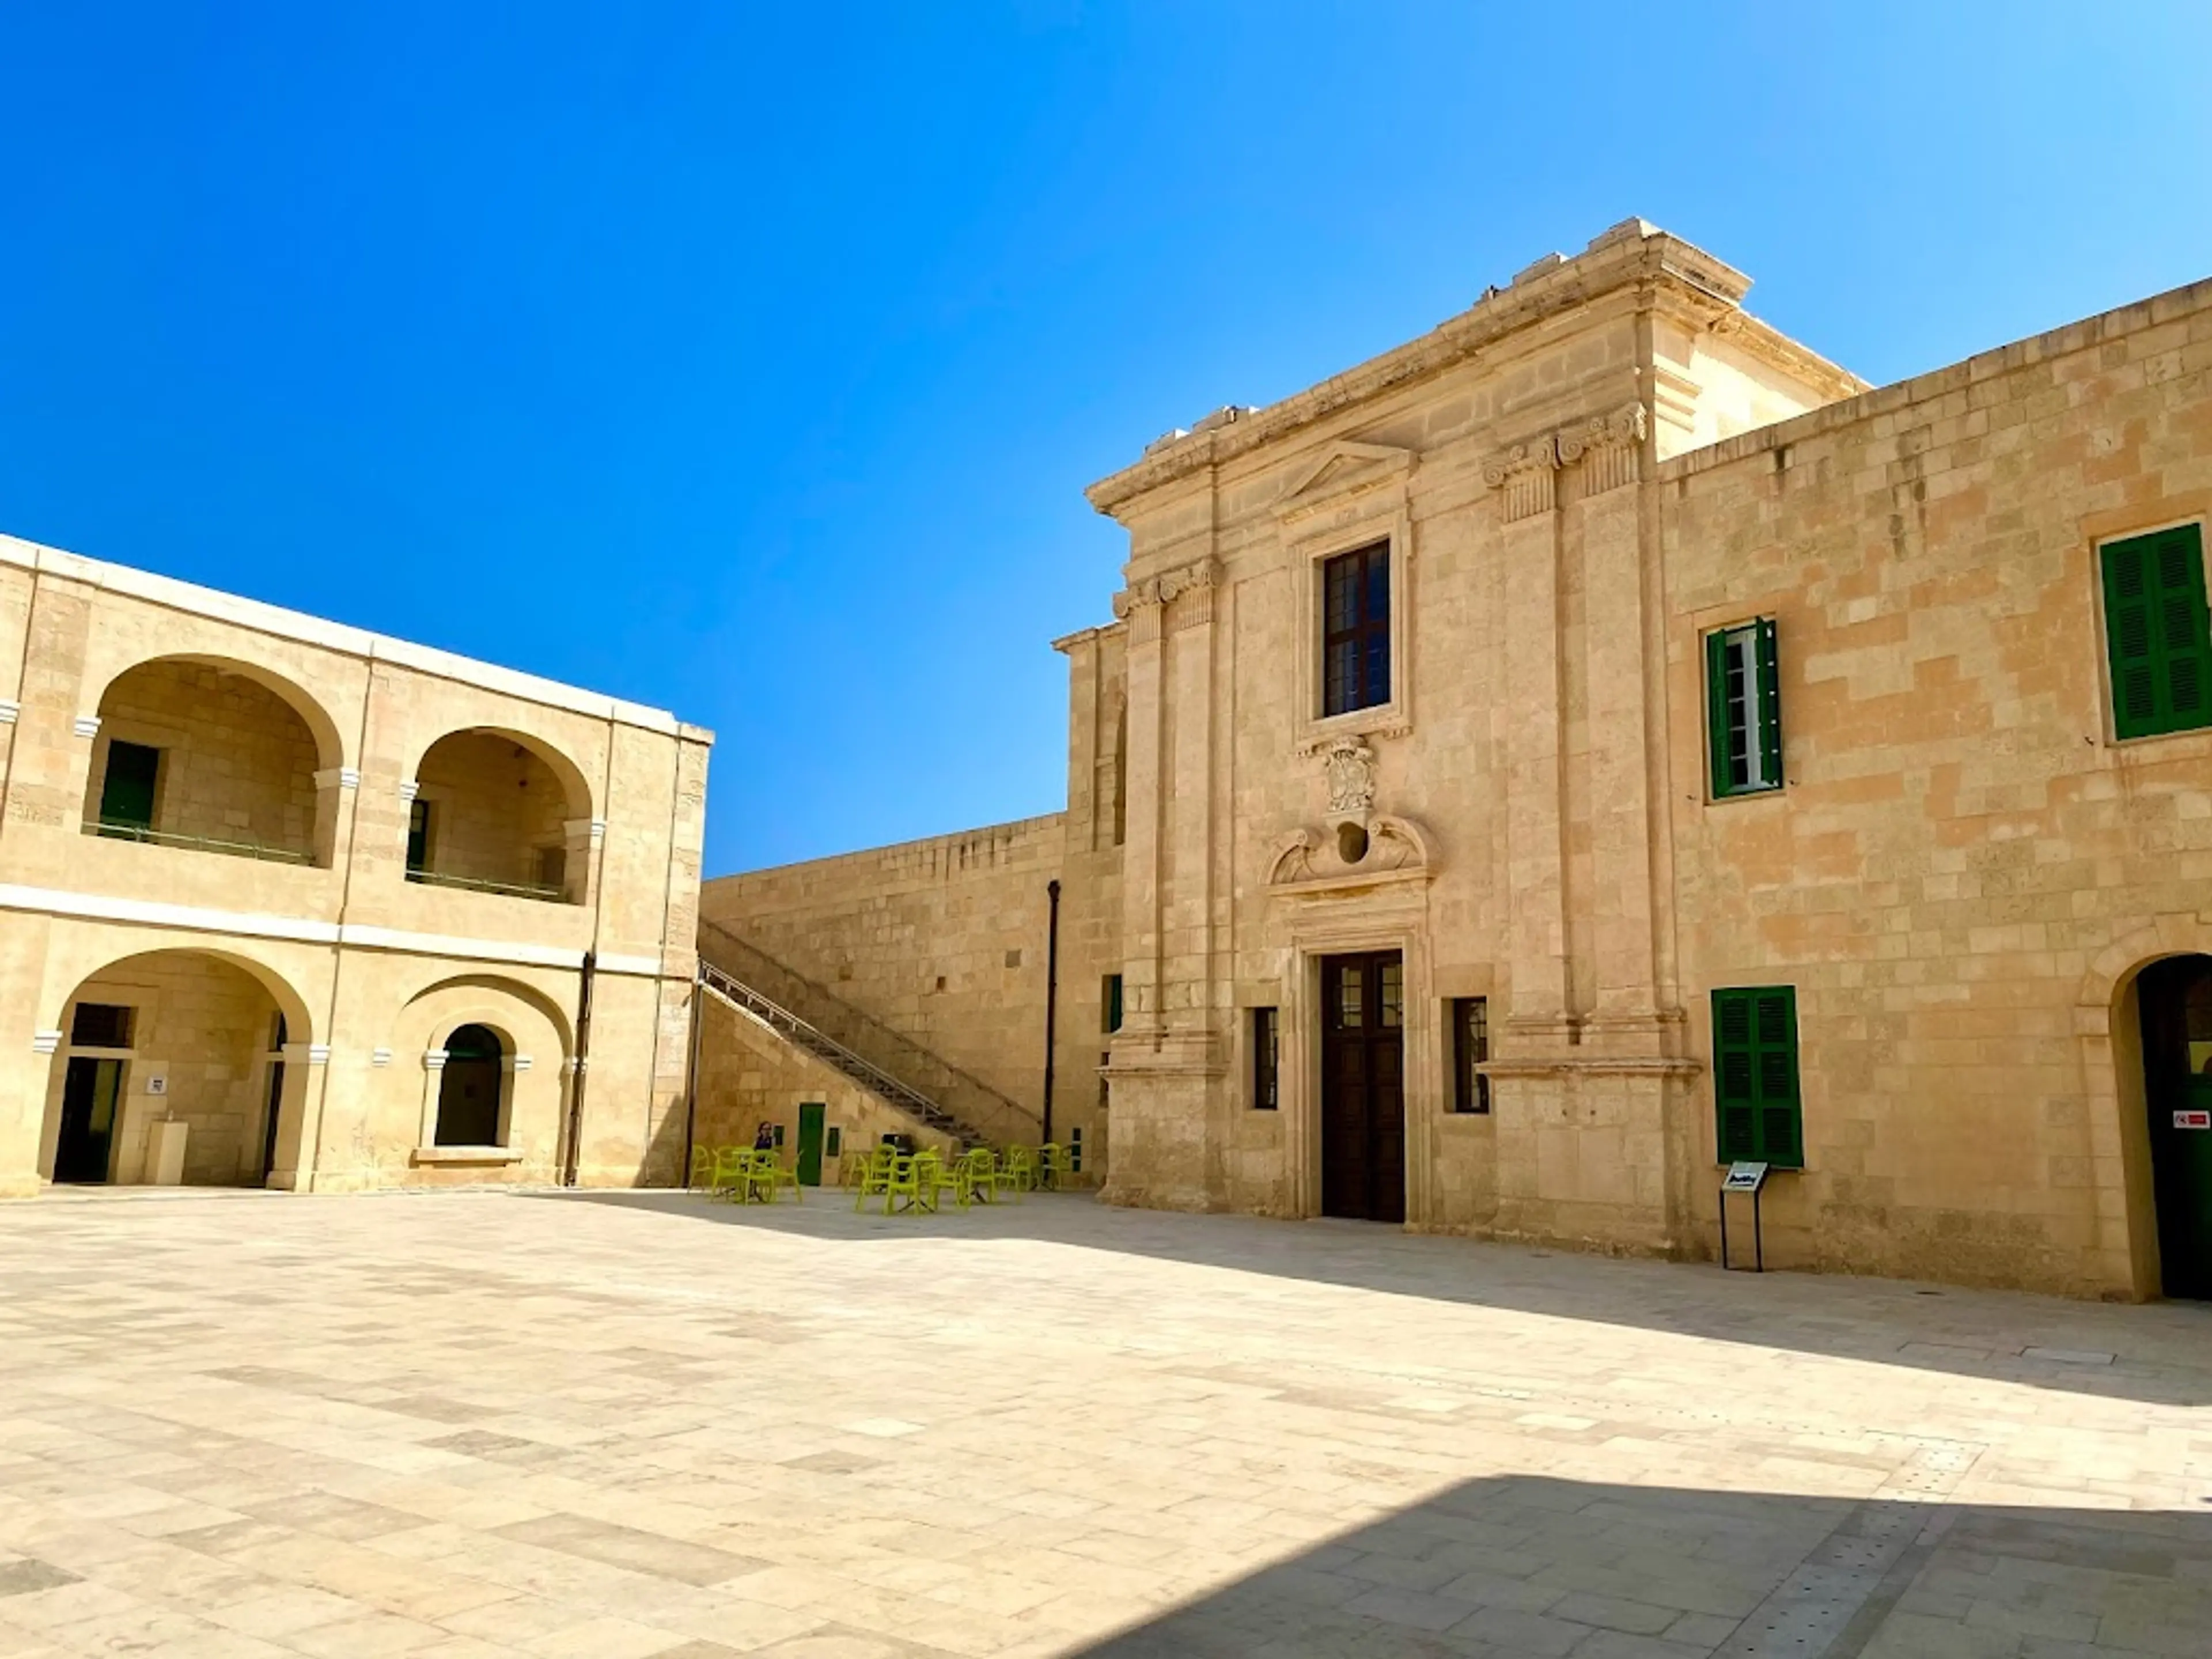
[
  {"x": 472, "y": 1089},
  {"x": 2174, "y": 997},
  {"x": 213, "y": 757},
  {"x": 171, "y": 1069},
  {"x": 493, "y": 813}
]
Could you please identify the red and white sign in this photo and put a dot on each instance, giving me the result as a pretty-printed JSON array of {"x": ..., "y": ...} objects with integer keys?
[{"x": 2192, "y": 1120}]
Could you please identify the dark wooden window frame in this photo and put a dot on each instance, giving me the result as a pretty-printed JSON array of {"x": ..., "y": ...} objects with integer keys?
[
  {"x": 1266, "y": 1029},
  {"x": 1355, "y": 638},
  {"x": 1470, "y": 1047}
]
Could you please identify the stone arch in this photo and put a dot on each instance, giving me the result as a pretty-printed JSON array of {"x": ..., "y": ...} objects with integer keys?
[
  {"x": 2172, "y": 934},
  {"x": 503, "y": 811},
  {"x": 2106, "y": 1028},
  {"x": 330, "y": 741},
  {"x": 214, "y": 1038},
  {"x": 216, "y": 754},
  {"x": 534, "y": 1035}
]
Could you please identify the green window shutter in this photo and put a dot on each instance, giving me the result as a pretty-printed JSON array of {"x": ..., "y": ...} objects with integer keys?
[
  {"x": 1770, "y": 705},
  {"x": 1717, "y": 714},
  {"x": 1755, "y": 1088},
  {"x": 2158, "y": 633},
  {"x": 1743, "y": 708},
  {"x": 1781, "y": 1115},
  {"x": 1735, "y": 1090}
]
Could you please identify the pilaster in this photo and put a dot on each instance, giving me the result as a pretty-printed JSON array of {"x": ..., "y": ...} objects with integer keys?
[{"x": 1526, "y": 478}]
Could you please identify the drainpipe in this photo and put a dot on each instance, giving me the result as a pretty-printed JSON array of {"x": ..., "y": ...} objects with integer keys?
[
  {"x": 583, "y": 1060},
  {"x": 691, "y": 1072},
  {"x": 1051, "y": 996}
]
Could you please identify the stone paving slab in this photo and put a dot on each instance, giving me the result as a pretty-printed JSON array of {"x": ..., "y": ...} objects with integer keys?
[{"x": 481, "y": 1425}]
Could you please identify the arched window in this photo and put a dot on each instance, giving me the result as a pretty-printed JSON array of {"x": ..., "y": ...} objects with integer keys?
[{"x": 472, "y": 1090}]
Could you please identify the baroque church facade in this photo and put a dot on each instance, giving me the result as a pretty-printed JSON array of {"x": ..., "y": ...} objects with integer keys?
[{"x": 1594, "y": 744}]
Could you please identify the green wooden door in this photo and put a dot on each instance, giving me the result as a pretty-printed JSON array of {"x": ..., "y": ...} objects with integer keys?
[
  {"x": 126, "y": 793},
  {"x": 811, "y": 1116}
]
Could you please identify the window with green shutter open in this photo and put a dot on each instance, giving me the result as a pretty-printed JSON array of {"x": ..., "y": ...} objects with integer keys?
[
  {"x": 2158, "y": 632},
  {"x": 1761, "y": 1117},
  {"x": 1743, "y": 708}
]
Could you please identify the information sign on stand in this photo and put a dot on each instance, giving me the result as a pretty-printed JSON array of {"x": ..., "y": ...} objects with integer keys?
[{"x": 1745, "y": 1178}]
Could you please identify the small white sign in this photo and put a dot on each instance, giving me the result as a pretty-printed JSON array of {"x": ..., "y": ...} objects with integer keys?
[
  {"x": 2198, "y": 1120},
  {"x": 158, "y": 1084},
  {"x": 1744, "y": 1178}
]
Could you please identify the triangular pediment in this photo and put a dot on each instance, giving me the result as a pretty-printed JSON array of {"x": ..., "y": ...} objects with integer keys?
[{"x": 1342, "y": 469}]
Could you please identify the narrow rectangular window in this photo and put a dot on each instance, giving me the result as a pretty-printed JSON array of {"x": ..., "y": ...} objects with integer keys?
[
  {"x": 418, "y": 835},
  {"x": 1355, "y": 646},
  {"x": 1267, "y": 1059},
  {"x": 553, "y": 867},
  {"x": 1470, "y": 1029},
  {"x": 2158, "y": 633},
  {"x": 126, "y": 793},
  {"x": 1109, "y": 1004},
  {"x": 833, "y": 1142},
  {"x": 1743, "y": 702},
  {"x": 100, "y": 1025},
  {"x": 1755, "y": 1087}
]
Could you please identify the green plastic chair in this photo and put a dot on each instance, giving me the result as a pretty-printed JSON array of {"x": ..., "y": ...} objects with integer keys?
[
  {"x": 905, "y": 1182},
  {"x": 702, "y": 1167},
  {"x": 875, "y": 1177},
  {"x": 1051, "y": 1165},
  {"x": 766, "y": 1177},
  {"x": 732, "y": 1166},
  {"x": 1060, "y": 1167},
  {"x": 1013, "y": 1173},
  {"x": 979, "y": 1174}
]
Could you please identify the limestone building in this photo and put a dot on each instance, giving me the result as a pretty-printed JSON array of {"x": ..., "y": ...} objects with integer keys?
[
  {"x": 285, "y": 903},
  {"x": 1600, "y": 741}
]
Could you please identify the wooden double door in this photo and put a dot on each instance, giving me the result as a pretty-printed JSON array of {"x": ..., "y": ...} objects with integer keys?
[{"x": 1363, "y": 1087}]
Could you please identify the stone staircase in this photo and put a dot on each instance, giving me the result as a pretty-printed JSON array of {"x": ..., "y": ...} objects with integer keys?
[{"x": 890, "y": 1066}]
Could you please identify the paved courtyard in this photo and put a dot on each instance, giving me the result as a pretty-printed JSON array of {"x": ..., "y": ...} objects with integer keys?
[{"x": 468, "y": 1425}]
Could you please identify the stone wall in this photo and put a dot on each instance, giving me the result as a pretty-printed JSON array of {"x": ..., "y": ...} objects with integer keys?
[
  {"x": 1960, "y": 839},
  {"x": 207, "y": 1030},
  {"x": 748, "y": 1075},
  {"x": 371, "y": 971},
  {"x": 944, "y": 940},
  {"x": 238, "y": 764}
]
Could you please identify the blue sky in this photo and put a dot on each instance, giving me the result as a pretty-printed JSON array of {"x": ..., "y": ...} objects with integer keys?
[{"x": 750, "y": 359}]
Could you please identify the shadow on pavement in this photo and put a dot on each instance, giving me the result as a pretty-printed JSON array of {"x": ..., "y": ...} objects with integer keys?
[
  {"x": 2159, "y": 1353},
  {"x": 1521, "y": 1566}
]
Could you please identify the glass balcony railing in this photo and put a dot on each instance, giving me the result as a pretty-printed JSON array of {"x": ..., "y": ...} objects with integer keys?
[{"x": 230, "y": 846}]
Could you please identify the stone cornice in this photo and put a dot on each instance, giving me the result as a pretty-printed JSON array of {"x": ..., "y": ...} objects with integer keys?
[
  {"x": 1068, "y": 643},
  {"x": 1166, "y": 587},
  {"x": 1631, "y": 254}
]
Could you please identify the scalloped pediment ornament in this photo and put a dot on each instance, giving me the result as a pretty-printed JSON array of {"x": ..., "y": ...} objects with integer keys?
[
  {"x": 1392, "y": 849},
  {"x": 1343, "y": 471}
]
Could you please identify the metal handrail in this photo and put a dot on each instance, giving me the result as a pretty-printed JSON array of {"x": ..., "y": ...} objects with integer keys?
[
  {"x": 780, "y": 1017},
  {"x": 927, "y": 1056},
  {"x": 119, "y": 830},
  {"x": 529, "y": 890}
]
